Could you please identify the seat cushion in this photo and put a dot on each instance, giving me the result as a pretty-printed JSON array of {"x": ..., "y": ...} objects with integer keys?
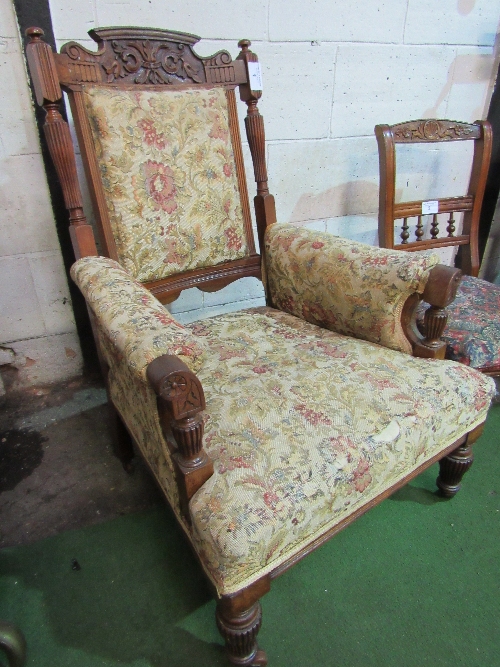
[
  {"x": 305, "y": 427},
  {"x": 473, "y": 329}
]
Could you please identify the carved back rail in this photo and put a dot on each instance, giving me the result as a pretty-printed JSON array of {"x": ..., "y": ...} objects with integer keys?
[
  {"x": 433, "y": 131},
  {"x": 141, "y": 58}
]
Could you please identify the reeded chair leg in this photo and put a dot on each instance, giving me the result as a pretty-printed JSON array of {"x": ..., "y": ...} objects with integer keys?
[
  {"x": 239, "y": 631},
  {"x": 452, "y": 468}
]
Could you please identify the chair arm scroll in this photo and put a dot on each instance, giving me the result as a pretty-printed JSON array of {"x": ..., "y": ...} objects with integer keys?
[
  {"x": 180, "y": 400},
  {"x": 348, "y": 287},
  {"x": 440, "y": 290}
]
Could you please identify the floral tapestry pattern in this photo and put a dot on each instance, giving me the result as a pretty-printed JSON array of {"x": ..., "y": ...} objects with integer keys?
[
  {"x": 136, "y": 323},
  {"x": 348, "y": 287},
  {"x": 169, "y": 175},
  {"x": 472, "y": 333},
  {"x": 304, "y": 427}
]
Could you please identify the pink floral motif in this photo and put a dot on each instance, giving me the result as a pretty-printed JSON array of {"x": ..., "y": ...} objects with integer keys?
[
  {"x": 160, "y": 185},
  {"x": 227, "y": 169},
  {"x": 219, "y": 128},
  {"x": 233, "y": 238},
  {"x": 271, "y": 499},
  {"x": 233, "y": 463},
  {"x": 362, "y": 477},
  {"x": 317, "y": 245},
  {"x": 151, "y": 136},
  {"x": 311, "y": 416}
]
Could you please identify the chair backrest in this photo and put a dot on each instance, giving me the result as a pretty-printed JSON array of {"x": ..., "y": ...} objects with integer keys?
[
  {"x": 433, "y": 131},
  {"x": 159, "y": 136}
]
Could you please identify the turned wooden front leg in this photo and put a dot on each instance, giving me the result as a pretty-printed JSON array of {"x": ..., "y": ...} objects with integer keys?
[
  {"x": 240, "y": 635},
  {"x": 239, "y": 618},
  {"x": 454, "y": 466}
]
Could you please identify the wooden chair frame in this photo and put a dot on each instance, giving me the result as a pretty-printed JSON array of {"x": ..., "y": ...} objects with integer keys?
[
  {"x": 434, "y": 131},
  {"x": 158, "y": 58}
]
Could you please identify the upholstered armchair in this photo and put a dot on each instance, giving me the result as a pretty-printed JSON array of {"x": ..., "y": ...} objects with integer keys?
[{"x": 270, "y": 429}]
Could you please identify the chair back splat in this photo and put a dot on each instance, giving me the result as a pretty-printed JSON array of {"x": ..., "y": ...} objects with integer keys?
[
  {"x": 154, "y": 163},
  {"x": 434, "y": 131}
]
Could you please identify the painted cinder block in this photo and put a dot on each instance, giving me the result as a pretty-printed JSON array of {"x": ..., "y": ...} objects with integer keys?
[
  {"x": 286, "y": 70},
  {"x": 51, "y": 285},
  {"x": 189, "y": 299},
  {"x": 21, "y": 313},
  {"x": 18, "y": 135},
  {"x": 470, "y": 83},
  {"x": 8, "y": 23},
  {"x": 245, "y": 289},
  {"x": 452, "y": 22},
  {"x": 431, "y": 171},
  {"x": 222, "y": 19},
  {"x": 325, "y": 20},
  {"x": 377, "y": 83},
  {"x": 27, "y": 219},
  {"x": 72, "y": 20},
  {"x": 315, "y": 180},
  {"x": 45, "y": 360}
]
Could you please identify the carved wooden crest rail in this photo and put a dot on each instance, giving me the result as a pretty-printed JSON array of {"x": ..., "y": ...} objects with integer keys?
[
  {"x": 434, "y": 130},
  {"x": 149, "y": 56}
]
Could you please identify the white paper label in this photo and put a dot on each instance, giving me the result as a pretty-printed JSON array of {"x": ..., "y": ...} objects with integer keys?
[
  {"x": 429, "y": 207},
  {"x": 255, "y": 76}
]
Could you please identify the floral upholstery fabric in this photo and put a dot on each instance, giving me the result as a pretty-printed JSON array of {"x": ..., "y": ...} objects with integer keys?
[
  {"x": 133, "y": 320},
  {"x": 169, "y": 176},
  {"x": 348, "y": 287},
  {"x": 305, "y": 426},
  {"x": 473, "y": 329}
]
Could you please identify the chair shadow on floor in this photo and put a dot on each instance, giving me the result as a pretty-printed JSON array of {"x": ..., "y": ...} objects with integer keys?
[{"x": 130, "y": 601}]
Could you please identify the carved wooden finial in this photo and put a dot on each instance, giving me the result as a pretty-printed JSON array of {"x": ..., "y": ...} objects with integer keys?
[
  {"x": 244, "y": 44},
  {"x": 35, "y": 34}
]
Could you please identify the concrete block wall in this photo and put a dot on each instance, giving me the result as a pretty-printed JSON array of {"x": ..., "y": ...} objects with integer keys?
[
  {"x": 38, "y": 340},
  {"x": 331, "y": 71}
]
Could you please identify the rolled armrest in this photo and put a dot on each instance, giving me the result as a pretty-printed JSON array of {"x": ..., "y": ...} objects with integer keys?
[
  {"x": 131, "y": 318},
  {"x": 345, "y": 286}
]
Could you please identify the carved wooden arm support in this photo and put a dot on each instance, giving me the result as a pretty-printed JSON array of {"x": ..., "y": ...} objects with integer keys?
[
  {"x": 180, "y": 401},
  {"x": 440, "y": 290}
]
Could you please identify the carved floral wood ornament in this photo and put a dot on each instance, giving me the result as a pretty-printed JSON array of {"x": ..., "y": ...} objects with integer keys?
[
  {"x": 163, "y": 58},
  {"x": 271, "y": 429},
  {"x": 434, "y": 130}
]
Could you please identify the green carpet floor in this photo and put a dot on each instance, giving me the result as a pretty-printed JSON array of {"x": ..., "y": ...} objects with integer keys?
[{"x": 414, "y": 582}]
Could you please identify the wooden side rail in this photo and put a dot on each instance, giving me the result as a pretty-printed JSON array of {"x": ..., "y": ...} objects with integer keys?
[
  {"x": 440, "y": 290},
  {"x": 180, "y": 401}
]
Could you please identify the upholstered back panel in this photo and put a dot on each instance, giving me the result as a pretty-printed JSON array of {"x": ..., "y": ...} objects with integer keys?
[{"x": 169, "y": 174}]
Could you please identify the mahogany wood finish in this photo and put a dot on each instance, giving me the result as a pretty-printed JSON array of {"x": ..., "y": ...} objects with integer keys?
[
  {"x": 152, "y": 58},
  {"x": 454, "y": 466},
  {"x": 433, "y": 131},
  {"x": 239, "y": 618},
  {"x": 180, "y": 402},
  {"x": 160, "y": 59},
  {"x": 48, "y": 94},
  {"x": 439, "y": 292}
]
